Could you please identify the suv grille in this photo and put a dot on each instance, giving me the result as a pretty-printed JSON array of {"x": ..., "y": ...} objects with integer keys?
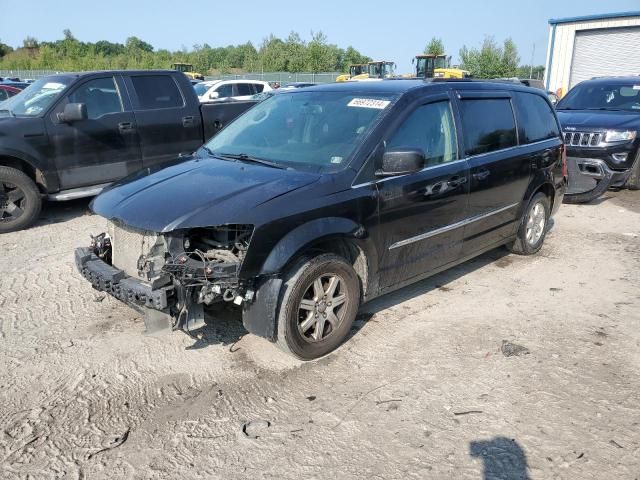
[{"x": 582, "y": 139}]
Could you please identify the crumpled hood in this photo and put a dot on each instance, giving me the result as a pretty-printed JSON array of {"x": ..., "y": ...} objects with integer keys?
[
  {"x": 599, "y": 120},
  {"x": 199, "y": 192}
]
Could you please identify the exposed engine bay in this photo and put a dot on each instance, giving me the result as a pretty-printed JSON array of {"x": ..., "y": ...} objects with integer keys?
[{"x": 194, "y": 268}]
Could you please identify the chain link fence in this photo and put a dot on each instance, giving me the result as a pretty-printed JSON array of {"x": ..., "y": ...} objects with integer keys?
[
  {"x": 27, "y": 74},
  {"x": 280, "y": 77}
]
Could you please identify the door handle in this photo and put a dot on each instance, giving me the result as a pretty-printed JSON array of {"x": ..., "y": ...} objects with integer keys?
[
  {"x": 187, "y": 121},
  {"x": 125, "y": 127},
  {"x": 481, "y": 174},
  {"x": 456, "y": 181}
]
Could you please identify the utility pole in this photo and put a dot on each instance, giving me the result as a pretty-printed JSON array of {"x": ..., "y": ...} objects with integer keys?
[{"x": 533, "y": 52}]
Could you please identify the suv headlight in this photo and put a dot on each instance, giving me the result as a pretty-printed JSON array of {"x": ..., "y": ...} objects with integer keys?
[{"x": 619, "y": 135}]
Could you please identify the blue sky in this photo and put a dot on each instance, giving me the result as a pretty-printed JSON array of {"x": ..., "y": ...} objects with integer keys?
[{"x": 394, "y": 30}]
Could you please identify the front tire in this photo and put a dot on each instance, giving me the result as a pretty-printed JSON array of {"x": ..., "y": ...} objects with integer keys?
[
  {"x": 20, "y": 201},
  {"x": 319, "y": 303},
  {"x": 533, "y": 227},
  {"x": 633, "y": 182}
]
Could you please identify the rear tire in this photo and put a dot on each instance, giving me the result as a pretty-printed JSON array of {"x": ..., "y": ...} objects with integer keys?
[
  {"x": 633, "y": 182},
  {"x": 20, "y": 200},
  {"x": 320, "y": 300},
  {"x": 533, "y": 227}
]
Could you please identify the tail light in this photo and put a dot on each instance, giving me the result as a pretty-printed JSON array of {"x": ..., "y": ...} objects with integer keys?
[{"x": 565, "y": 172}]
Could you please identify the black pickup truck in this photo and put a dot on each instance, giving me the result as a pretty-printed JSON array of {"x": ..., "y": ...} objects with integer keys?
[{"x": 70, "y": 135}]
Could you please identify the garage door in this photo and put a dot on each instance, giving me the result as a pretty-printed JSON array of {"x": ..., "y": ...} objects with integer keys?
[{"x": 603, "y": 52}]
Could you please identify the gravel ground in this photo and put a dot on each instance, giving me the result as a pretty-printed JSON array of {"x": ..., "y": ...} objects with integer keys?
[{"x": 424, "y": 388}]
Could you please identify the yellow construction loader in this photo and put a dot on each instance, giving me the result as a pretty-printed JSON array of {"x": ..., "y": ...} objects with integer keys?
[
  {"x": 187, "y": 69},
  {"x": 354, "y": 71},
  {"x": 437, "y": 66}
]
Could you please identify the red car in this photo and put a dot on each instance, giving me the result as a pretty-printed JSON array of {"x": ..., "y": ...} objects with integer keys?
[{"x": 7, "y": 91}]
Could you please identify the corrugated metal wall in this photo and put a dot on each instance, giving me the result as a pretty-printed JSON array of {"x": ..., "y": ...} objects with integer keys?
[
  {"x": 598, "y": 53},
  {"x": 558, "y": 74}
]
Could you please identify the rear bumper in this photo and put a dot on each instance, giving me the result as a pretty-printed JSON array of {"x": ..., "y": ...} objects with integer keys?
[
  {"x": 115, "y": 282},
  {"x": 589, "y": 178}
]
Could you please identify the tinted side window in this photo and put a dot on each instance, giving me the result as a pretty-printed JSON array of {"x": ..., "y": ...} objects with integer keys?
[
  {"x": 488, "y": 125},
  {"x": 259, "y": 87},
  {"x": 432, "y": 129},
  {"x": 157, "y": 91},
  {"x": 536, "y": 121},
  {"x": 245, "y": 89},
  {"x": 225, "y": 90},
  {"x": 3, "y": 95},
  {"x": 100, "y": 95}
]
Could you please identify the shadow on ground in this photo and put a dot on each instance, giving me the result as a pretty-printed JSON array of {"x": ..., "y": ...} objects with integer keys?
[
  {"x": 57, "y": 212},
  {"x": 499, "y": 256},
  {"x": 502, "y": 458},
  {"x": 223, "y": 327}
]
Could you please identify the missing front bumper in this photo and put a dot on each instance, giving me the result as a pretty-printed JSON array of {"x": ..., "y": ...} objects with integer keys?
[{"x": 589, "y": 178}]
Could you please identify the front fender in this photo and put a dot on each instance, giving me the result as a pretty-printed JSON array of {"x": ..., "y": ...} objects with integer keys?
[{"x": 305, "y": 234}]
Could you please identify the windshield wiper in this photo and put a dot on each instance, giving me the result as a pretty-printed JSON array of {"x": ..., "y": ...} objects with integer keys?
[
  {"x": 208, "y": 150},
  {"x": 243, "y": 157},
  {"x": 11, "y": 114}
]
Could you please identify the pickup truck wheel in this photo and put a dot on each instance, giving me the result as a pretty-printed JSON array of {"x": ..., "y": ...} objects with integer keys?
[
  {"x": 633, "y": 182},
  {"x": 20, "y": 201},
  {"x": 533, "y": 227},
  {"x": 319, "y": 303}
]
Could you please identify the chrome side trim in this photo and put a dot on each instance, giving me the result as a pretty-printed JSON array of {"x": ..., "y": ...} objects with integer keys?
[
  {"x": 430, "y": 167},
  {"x": 74, "y": 193},
  {"x": 448, "y": 228}
]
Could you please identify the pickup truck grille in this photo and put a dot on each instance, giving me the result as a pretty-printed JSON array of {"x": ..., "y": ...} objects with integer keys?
[
  {"x": 128, "y": 245},
  {"x": 582, "y": 139}
]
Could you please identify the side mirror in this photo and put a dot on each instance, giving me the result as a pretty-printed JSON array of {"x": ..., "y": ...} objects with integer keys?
[
  {"x": 73, "y": 112},
  {"x": 214, "y": 95},
  {"x": 400, "y": 161}
]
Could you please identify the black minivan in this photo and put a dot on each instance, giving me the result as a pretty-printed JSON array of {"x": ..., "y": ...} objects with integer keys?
[{"x": 317, "y": 200}]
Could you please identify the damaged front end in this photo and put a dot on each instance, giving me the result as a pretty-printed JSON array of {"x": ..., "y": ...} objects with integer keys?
[
  {"x": 171, "y": 277},
  {"x": 595, "y": 164}
]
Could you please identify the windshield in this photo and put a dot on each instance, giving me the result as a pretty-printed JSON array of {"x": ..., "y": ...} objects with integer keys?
[
  {"x": 201, "y": 88},
  {"x": 603, "y": 96},
  {"x": 313, "y": 131},
  {"x": 37, "y": 98}
]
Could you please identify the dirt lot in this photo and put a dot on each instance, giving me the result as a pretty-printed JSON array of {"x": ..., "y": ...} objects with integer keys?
[{"x": 422, "y": 389}]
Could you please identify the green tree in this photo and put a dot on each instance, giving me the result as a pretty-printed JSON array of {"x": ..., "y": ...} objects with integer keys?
[
  {"x": 5, "y": 49},
  {"x": 320, "y": 56},
  {"x": 293, "y": 54},
  {"x": 30, "y": 42},
  {"x": 491, "y": 60},
  {"x": 296, "y": 51},
  {"x": 434, "y": 47}
]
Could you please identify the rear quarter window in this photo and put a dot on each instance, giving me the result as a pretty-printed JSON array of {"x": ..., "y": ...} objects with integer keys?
[
  {"x": 536, "y": 120},
  {"x": 488, "y": 124},
  {"x": 156, "y": 92}
]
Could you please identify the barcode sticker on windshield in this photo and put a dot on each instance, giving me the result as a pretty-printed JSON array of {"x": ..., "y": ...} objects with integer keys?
[
  {"x": 368, "y": 103},
  {"x": 53, "y": 85}
]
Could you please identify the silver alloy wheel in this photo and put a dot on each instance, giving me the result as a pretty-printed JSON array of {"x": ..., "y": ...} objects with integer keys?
[
  {"x": 536, "y": 223},
  {"x": 322, "y": 307}
]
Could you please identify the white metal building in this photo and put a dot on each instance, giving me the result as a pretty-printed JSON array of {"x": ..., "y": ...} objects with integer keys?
[{"x": 592, "y": 46}]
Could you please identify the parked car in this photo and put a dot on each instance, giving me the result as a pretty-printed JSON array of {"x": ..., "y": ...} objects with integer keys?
[
  {"x": 601, "y": 120},
  {"x": 7, "y": 91},
  {"x": 68, "y": 136},
  {"x": 15, "y": 84},
  {"x": 291, "y": 85},
  {"x": 222, "y": 90},
  {"x": 317, "y": 200}
]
